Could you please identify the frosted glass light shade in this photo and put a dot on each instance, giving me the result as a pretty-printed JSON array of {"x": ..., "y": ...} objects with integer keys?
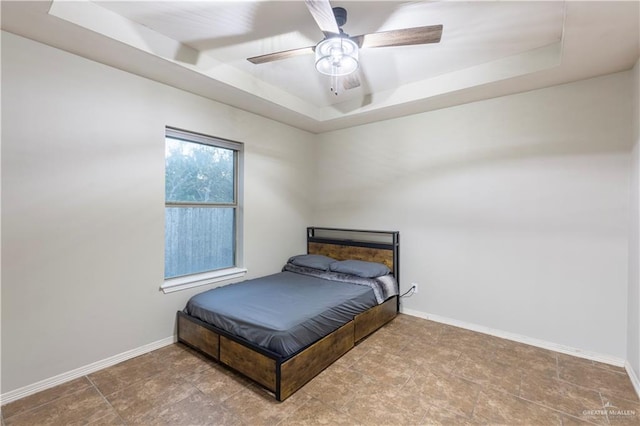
[{"x": 336, "y": 56}]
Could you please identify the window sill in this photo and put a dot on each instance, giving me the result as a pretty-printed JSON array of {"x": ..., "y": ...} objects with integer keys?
[{"x": 196, "y": 280}]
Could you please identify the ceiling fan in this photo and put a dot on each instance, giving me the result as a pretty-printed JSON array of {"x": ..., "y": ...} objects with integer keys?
[{"x": 337, "y": 54}]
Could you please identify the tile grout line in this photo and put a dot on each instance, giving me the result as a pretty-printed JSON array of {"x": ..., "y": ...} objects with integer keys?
[
  {"x": 520, "y": 385},
  {"x": 285, "y": 418},
  {"x": 221, "y": 403},
  {"x": 169, "y": 405},
  {"x": 595, "y": 389},
  {"x": 606, "y": 413},
  {"x": 105, "y": 400},
  {"x": 227, "y": 409},
  {"x": 135, "y": 382},
  {"x": 539, "y": 404},
  {"x": 43, "y": 404},
  {"x": 475, "y": 403},
  {"x": 598, "y": 390},
  {"x": 564, "y": 412}
]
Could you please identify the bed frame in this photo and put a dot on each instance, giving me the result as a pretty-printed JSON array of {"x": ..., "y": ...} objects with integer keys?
[{"x": 285, "y": 375}]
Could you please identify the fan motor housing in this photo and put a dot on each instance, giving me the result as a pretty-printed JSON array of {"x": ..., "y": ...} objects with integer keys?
[{"x": 341, "y": 16}]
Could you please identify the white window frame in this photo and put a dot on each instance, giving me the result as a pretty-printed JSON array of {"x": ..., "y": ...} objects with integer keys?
[{"x": 203, "y": 278}]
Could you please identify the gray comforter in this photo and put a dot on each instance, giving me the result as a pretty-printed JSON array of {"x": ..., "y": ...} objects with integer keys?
[{"x": 286, "y": 312}]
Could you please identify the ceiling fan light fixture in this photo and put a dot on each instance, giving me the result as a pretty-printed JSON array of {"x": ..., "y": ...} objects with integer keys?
[{"x": 336, "y": 56}]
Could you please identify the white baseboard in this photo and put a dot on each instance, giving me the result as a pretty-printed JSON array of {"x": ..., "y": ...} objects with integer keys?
[
  {"x": 593, "y": 356},
  {"x": 634, "y": 377},
  {"x": 82, "y": 371}
]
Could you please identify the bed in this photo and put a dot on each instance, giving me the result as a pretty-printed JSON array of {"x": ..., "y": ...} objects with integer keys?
[{"x": 283, "y": 329}]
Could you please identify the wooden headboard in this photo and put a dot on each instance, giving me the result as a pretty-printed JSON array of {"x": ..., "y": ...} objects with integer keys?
[{"x": 342, "y": 244}]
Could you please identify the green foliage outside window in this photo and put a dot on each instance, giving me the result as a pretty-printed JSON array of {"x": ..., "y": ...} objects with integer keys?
[
  {"x": 198, "y": 173},
  {"x": 201, "y": 207}
]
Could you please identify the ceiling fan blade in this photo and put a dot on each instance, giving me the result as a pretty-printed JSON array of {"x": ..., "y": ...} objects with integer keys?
[
  {"x": 350, "y": 81},
  {"x": 285, "y": 54},
  {"x": 404, "y": 37},
  {"x": 323, "y": 14}
]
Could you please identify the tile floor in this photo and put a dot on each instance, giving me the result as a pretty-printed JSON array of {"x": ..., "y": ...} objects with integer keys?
[{"x": 410, "y": 372}]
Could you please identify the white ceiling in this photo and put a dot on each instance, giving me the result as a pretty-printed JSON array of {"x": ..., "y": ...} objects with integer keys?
[{"x": 488, "y": 49}]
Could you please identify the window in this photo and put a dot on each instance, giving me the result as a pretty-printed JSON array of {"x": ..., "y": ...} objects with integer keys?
[{"x": 202, "y": 210}]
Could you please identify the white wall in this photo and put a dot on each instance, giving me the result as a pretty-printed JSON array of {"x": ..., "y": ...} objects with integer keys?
[
  {"x": 513, "y": 212},
  {"x": 633, "y": 299},
  {"x": 83, "y": 206}
]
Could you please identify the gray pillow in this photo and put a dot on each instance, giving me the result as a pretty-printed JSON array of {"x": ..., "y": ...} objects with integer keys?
[
  {"x": 360, "y": 268},
  {"x": 315, "y": 261}
]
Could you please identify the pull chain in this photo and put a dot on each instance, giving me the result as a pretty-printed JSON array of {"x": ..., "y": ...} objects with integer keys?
[{"x": 334, "y": 84}]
